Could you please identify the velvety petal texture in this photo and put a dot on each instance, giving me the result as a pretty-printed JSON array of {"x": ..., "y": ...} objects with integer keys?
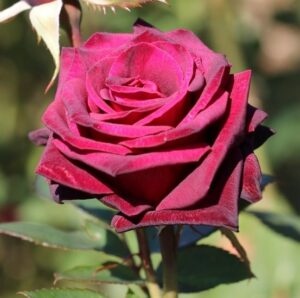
[{"x": 154, "y": 125}]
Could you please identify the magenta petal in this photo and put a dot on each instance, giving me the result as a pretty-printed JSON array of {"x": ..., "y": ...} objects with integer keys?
[
  {"x": 99, "y": 41},
  {"x": 254, "y": 118},
  {"x": 95, "y": 82},
  {"x": 207, "y": 117},
  {"x": 114, "y": 165},
  {"x": 54, "y": 119},
  {"x": 204, "y": 56},
  {"x": 128, "y": 208},
  {"x": 74, "y": 96},
  {"x": 182, "y": 57},
  {"x": 54, "y": 166},
  {"x": 222, "y": 214},
  {"x": 252, "y": 176},
  {"x": 214, "y": 216},
  {"x": 40, "y": 136},
  {"x": 197, "y": 184},
  {"x": 208, "y": 95},
  {"x": 62, "y": 193},
  {"x": 142, "y": 60},
  {"x": 72, "y": 67}
]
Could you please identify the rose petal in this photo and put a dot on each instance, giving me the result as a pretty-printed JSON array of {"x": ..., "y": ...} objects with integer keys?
[
  {"x": 62, "y": 193},
  {"x": 95, "y": 82},
  {"x": 114, "y": 165},
  {"x": 207, "y": 117},
  {"x": 130, "y": 207},
  {"x": 142, "y": 60},
  {"x": 74, "y": 97},
  {"x": 222, "y": 214},
  {"x": 252, "y": 176},
  {"x": 255, "y": 117},
  {"x": 208, "y": 95},
  {"x": 54, "y": 166},
  {"x": 54, "y": 119},
  {"x": 197, "y": 184},
  {"x": 40, "y": 136},
  {"x": 203, "y": 55},
  {"x": 71, "y": 67}
]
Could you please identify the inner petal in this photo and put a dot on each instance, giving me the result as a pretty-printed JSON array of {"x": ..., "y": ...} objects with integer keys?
[{"x": 149, "y": 63}]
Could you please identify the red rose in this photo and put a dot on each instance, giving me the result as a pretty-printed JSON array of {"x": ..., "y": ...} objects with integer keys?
[{"x": 154, "y": 125}]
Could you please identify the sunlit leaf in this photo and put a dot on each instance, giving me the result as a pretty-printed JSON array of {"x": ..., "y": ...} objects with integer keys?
[
  {"x": 47, "y": 236},
  {"x": 113, "y": 273},
  {"x": 285, "y": 225},
  {"x": 13, "y": 10},
  {"x": 45, "y": 20},
  {"x": 204, "y": 267},
  {"x": 61, "y": 293}
]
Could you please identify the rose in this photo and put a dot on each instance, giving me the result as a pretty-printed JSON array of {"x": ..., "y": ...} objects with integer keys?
[{"x": 154, "y": 125}]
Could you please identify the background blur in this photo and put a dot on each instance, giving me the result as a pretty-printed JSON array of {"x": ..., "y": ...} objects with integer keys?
[{"x": 263, "y": 35}]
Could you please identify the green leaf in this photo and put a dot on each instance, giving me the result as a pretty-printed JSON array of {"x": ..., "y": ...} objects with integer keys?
[
  {"x": 204, "y": 267},
  {"x": 112, "y": 273},
  {"x": 48, "y": 236},
  {"x": 285, "y": 225},
  {"x": 61, "y": 293},
  {"x": 92, "y": 207},
  {"x": 95, "y": 209},
  {"x": 113, "y": 243},
  {"x": 136, "y": 291}
]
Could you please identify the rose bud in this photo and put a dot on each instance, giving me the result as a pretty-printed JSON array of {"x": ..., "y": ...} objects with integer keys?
[{"x": 154, "y": 125}]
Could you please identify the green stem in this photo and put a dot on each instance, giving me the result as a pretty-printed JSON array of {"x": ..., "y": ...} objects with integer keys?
[
  {"x": 168, "y": 247},
  {"x": 152, "y": 285}
]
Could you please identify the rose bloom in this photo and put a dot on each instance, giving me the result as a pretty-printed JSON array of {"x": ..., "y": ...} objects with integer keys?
[{"x": 153, "y": 125}]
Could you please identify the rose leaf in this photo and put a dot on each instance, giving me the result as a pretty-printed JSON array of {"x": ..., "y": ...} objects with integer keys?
[
  {"x": 109, "y": 273},
  {"x": 189, "y": 235},
  {"x": 47, "y": 236},
  {"x": 61, "y": 293},
  {"x": 285, "y": 225},
  {"x": 204, "y": 267}
]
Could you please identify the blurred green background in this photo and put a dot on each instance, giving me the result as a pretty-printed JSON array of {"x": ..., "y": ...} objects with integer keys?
[{"x": 263, "y": 35}]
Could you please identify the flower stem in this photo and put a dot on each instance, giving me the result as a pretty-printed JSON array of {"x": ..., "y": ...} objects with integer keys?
[
  {"x": 152, "y": 284},
  {"x": 168, "y": 247}
]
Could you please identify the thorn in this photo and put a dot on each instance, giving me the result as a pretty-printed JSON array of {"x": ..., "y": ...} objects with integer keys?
[
  {"x": 113, "y": 9},
  {"x": 127, "y": 8}
]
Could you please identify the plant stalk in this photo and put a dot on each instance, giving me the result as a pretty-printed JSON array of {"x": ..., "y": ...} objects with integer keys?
[
  {"x": 152, "y": 285},
  {"x": 168, "y": 247}
]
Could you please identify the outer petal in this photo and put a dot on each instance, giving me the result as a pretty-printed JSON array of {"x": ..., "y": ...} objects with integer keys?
[
  {"x": 55, "y": 119},
  {"x": 251, "y": 190},
  {"x": 206, "y": 58},
  {"x": 198, "y": 183},
  {"x": 54, "y": 166},
  {"x": 224, "y": 211},
  {"x": 130, "y": 208},
  {"x": 114, "y": 165}
]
